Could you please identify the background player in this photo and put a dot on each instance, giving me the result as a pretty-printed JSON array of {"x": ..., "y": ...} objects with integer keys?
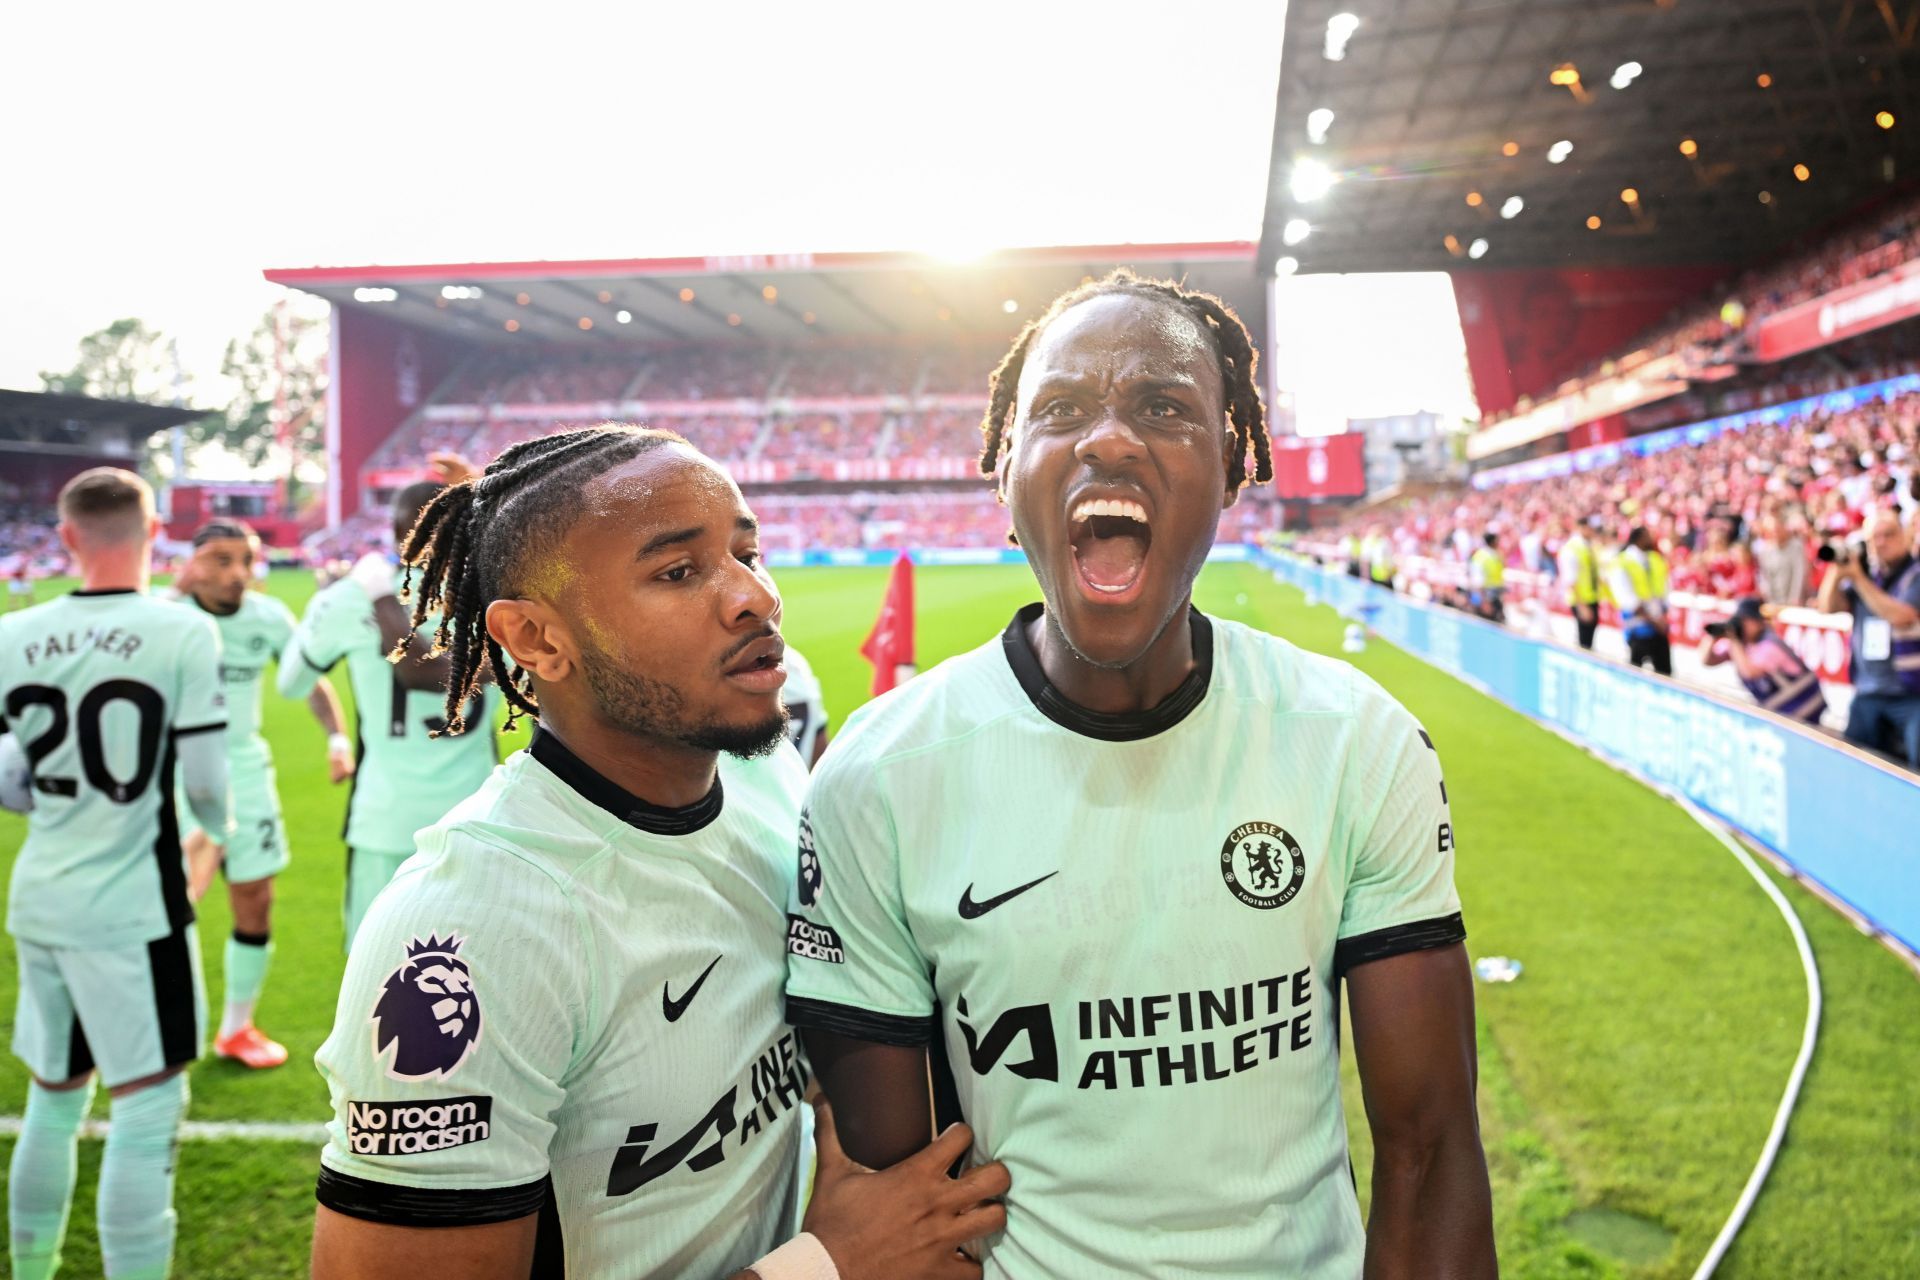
[
  {"x": 253, "y": 628},
  {"x": 540, "y": 1091},
  {"x": 806, "y": 708},
  {"x": 1124, "y": 856},
  {"x": 408, "y": 778},
  {"x": 107, "y": 690}
]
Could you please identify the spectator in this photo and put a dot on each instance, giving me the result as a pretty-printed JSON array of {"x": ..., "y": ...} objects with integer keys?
[
  {"x": 1774, "y": 674},
  {"x": 1883, "y": 594},
  {"x": 1780, "y": 559}
]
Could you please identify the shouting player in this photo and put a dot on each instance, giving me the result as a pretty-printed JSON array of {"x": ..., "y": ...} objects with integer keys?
[
  {"x": 253, "y": 628},
  {"x": 1122, "y": 858},
  {"x": 410, "y": 774},
  {"x": 559, "y": 1047},
  {"x": 109, "y": 693}
]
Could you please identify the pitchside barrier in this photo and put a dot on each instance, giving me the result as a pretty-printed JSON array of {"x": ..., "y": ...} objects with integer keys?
[{"x": 1840, "y": 817}]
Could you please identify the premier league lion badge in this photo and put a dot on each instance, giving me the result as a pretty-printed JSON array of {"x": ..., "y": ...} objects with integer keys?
[
  {"x": 810, "y": 878},
  {"x": 428, "y": 1011},
  {"x": 1262, "y": 865}
]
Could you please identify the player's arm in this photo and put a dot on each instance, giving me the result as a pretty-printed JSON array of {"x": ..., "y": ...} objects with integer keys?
[
  {"x": 199, "y": 734},
  {"x": 318, "y": 642},
  {"x": 1401, "y": 953},
  {"x": 880, "y": 1093},
  {"x": 820, "y": 744},
  {"x": 465, "y": 1003},
  {"x": 858, "y": 987},
  {"x": 347, "y": 1248},
  {"x": 1432, "y": 1212},
  {"x": 16, "y": 774}
]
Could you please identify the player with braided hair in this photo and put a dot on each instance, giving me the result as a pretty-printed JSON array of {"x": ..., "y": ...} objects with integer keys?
[
  {"x": 559, "y": 1047},
  {"x": 1132, "y": 955}
]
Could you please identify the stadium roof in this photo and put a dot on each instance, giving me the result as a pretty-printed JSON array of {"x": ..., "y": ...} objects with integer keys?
[
  {"x": 775, "y": 297},
  {"x": 1435, "y": 101},
  {"x": 46, "y": 417}
]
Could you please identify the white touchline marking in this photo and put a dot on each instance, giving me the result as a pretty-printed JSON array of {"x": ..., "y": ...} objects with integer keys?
[{"x": 209, "y": 1130}]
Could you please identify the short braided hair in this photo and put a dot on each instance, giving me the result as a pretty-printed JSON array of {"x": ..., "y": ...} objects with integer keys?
[
  {"x": 1246, "y": 411},
  {"x": 474, "y": 542}
]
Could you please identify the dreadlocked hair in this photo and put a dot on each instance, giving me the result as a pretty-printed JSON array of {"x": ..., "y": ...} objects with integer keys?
[
  {"x": 475, "y": 542},
  {"x": 1246, "y": 412}
]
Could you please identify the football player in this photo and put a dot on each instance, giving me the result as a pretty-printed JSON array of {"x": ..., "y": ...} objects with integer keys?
[
  {"x": 409, "y": 774},
  {"x": 559, "y": 1047},
  {"x": 109, "y": 695},
  {"x": 1119, "y": 861},
  {"x": 254, "y": 628},
  {"x": 806, "y": 708}
]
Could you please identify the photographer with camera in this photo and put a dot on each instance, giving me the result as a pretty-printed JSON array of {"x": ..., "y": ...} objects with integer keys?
[
  {"x": 1774, "y": 674},
  {"x": 1882, "y": 591}
]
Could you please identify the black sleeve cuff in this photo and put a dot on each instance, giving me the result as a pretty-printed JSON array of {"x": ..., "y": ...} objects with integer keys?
[
  {"x": 314, "y": 666},
  {"x": 1396, "y": 940},
  {"x": 427, "y": 1206},
  {"x": 199, "y": 728},
  {"x": 860, "y": 1024}
]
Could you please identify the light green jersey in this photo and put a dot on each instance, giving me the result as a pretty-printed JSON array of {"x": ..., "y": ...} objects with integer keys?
[
  {"x": 97, "y": 686},
  {"x": 250, "y": 637},
  {"x": 1129, "y": 930},
  {"x": 407, "y": 779},
  {"x": 571, "y": 998}
]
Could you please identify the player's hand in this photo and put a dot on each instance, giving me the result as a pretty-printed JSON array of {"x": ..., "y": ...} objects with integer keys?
[
  {"x": 183, "y": 579},
  {"x": 450, "y": 468},
  {"x": 340, "y": 764},
  {"x": 203, "y": 860},
  {"x": 908, "y": 1221}
]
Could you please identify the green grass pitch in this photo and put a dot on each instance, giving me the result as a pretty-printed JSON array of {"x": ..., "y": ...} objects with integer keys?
[{"x": 1627, "y": 1079}]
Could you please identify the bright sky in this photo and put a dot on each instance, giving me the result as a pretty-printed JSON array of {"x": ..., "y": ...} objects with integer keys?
[{"x": 162, "y": 157}]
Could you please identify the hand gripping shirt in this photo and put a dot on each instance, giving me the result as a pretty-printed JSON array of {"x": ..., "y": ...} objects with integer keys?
[
  {"x": 407, "y": 779},
  {"x": 97, "y": 686},
  {"x": 569, "y": 1003},
  {"x": 1128, "y": 930}
]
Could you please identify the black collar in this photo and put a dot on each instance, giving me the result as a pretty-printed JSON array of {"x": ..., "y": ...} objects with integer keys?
[
  {"x": 105, "y": 591},
  {"x": 617, "y": 800},
  {"x": 1125, "y": 726}
]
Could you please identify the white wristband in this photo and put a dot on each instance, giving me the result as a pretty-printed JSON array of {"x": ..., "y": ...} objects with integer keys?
[
  {"x": 801, "y": 1258},
  {"x": 339, "y": 744}
]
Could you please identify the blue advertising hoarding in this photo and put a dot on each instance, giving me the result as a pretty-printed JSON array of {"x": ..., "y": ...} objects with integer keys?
[{"x": 1847, "y": 822}]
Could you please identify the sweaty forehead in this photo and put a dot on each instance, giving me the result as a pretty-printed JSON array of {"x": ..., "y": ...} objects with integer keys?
[
  {"x": 671, "y": 486},
  {"x": 1114, "y": 337}
]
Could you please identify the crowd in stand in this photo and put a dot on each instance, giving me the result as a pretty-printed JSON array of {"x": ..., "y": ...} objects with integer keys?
[
  {"x": 1741, "y": 514},
  {"x": 1880, "y": 240}
]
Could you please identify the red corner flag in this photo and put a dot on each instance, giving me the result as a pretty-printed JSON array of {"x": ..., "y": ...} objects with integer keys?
[{"x": 889, "y": 645}]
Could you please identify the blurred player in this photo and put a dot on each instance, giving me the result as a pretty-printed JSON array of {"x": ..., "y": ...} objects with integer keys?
[
  {"x": 253, "y": 629},
  {"x": 109, "y": 694},
  {"x": 559, "y": 1046},
  {"x": 407, "y": 778},
  {"x": 806, "y": 708},
  {"x": 1122, "y": 858},
  {"x": 20, "y": 585}
]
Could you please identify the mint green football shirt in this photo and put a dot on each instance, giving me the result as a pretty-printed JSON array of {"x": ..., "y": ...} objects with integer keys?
[
  {"x": 569, "y": 1002},
  {"x": 97, "y": 686},
  {"x": 1128, "y": 933},
  {"x": 407, "y": 779}
]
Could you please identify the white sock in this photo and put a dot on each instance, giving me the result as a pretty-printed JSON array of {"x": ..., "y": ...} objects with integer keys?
[{"x": 239, "y": 1013}]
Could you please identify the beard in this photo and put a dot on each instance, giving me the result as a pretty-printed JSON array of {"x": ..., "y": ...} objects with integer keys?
[{"x": 648, "y": 708}]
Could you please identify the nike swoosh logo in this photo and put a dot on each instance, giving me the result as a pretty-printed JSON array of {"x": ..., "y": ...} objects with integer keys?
[
  {"x": 971, "y": 910},
  {"x": 674, "y": 1008}
]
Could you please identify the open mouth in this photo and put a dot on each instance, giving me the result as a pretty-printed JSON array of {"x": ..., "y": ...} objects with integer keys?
[
  {"x": 1110, "y": 537},
  {"x": 759, "y": 666}
]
